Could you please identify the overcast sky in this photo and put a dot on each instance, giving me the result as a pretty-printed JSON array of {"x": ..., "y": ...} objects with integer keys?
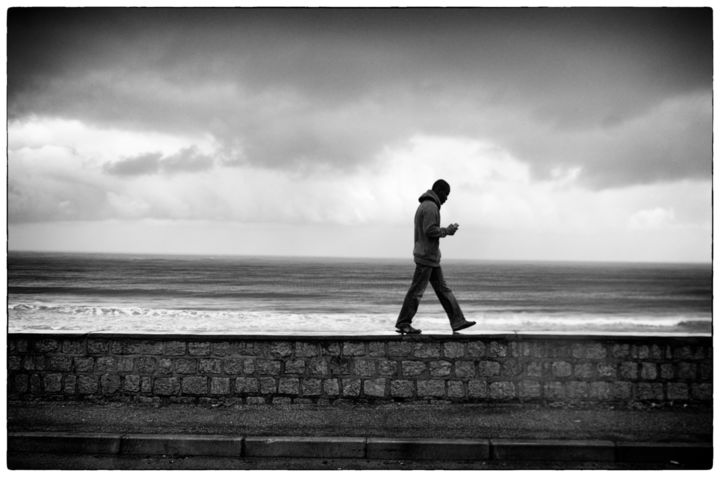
[{"x": 565, "y": 133}]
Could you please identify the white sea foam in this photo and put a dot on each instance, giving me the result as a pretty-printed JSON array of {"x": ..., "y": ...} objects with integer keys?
[{"x": 75, "y": 318}]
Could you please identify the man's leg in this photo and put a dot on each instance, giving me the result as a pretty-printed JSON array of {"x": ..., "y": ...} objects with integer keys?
[
  {"x": 414, "y": 295},
  {"x": 447, "y": 298}
]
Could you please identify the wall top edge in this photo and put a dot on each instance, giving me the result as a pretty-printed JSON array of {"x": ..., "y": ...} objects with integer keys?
[{"x": 379, "y": 337}]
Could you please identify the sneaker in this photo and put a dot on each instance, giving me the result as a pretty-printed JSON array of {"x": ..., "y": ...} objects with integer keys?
[
  {"x": 467, "y": 324},
  {"x": 407, "y": 330}
]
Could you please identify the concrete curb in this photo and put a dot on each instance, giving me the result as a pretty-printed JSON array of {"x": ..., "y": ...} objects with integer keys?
[{"x": 699, "y": 455}]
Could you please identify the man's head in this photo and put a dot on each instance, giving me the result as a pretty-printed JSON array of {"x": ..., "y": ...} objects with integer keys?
[{"x": 441, "y": 189}]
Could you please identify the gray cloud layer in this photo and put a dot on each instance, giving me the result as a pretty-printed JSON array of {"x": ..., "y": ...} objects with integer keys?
[{"x": 623, "y": 94}]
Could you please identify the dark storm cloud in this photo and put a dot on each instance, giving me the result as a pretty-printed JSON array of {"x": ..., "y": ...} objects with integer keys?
[{"x": 308, "y": 87}]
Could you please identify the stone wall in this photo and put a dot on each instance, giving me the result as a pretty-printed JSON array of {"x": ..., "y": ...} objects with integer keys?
[{"x": 542, "y": 369}]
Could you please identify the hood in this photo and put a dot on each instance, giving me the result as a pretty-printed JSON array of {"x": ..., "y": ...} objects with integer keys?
[{"x": 430, "y": 195}]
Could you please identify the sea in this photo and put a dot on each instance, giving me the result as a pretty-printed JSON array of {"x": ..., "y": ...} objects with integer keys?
[{"x": 167, "y": 294}]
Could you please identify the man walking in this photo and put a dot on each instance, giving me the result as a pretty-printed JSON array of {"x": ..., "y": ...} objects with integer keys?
[{"x": 427, "y": 260}]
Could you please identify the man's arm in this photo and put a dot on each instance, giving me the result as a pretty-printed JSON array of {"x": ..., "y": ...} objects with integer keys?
[{"x": 431, "y": 225}]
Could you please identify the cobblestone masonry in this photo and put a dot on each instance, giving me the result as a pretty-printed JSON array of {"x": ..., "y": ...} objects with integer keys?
[{"x": 262, "y": 369}]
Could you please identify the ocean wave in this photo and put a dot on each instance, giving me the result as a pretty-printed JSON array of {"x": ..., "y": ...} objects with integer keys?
[{"x": 34, "y": 317}]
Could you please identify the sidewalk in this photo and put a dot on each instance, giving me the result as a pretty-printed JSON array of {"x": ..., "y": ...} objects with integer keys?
[{"x": 414, "y": 432}]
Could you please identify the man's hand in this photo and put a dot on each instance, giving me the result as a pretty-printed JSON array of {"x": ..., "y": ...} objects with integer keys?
[{"x": 452, "y": 228}]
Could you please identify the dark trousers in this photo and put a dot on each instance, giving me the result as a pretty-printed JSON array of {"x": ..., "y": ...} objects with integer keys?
[{"x": 423, "y": 275}]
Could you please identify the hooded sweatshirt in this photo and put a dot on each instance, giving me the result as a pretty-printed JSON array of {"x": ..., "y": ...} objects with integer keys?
[{"x": 428, "y": 230}]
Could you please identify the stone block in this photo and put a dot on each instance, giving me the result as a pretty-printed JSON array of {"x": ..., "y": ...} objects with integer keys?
[
  {"x": 476, "y": 349},
  {"x": 219, "y": 386},
  {"x": 21, "y": 383},
  {"x": 198, "y": 348},
  {"x": 628, "y": 370},
  {"x": 55, "y": 363},
  {"x": 502, "y": 390},
  {"x": 455, "y": 389},
  {"x": 95, "y": 346},
  {"x": 281, "y": 349},
  {"x": 340, "y": 365},
  {"x": 105, "y": 364},
  {"x": 267, "y": 367},
  {"x": 145, "y": 364},
  {"x": 529, "y": 389},
  {"x": 209, "y": 366},
  {"x": 331, "y": 349},
  {"x": 667, "y": 371},
  {"x": 497, "y": 350},
  {"x": 318, "y": 367},
  {"x": 289, "y": 386},
  {"x": 402, "y": 388},
  {"x": 255, "y": 400},
  {"x": 70, "y": 384},
  {"x": 175, "y": 348},
  {"x": 650, "y": 392},
  {"x": 464, "y": 369},
  {"x": 164, "y": 366},
  {"x": 477, "y": 388},
  {"x": 83, "y": 365},
  {"x": 686, "y": 370},
  {"x": 125, "y": 364},
  {"x": 702, "y": 391},
  {"x": 648, "y": 371},
  {"x": 146, "y": 384},
  {"x": 312, "y": 387},
  {"x": 453, "y": 350},
  {"x": 247, "y": 385},
  {"x": 52, "y": 383},
  {"x": 364, "y": 367},
  {"x": 376, "y": 349},
  {"x": 46, "y": 346},
  {"x": 678, "y": 392},
  {"x": 583, "y": 370},
  {"x": 331, "y": 387},
  {"x": 268, "y": 385},
  {"x": 413, "y": 368},
  {"x": 621, "y": 390},
  {"x": 440, "y": 368},
  {"x": 387, "y": 368},
  {"x": 600, "y": 391},
  {"x": 706, "y": 371},
  {"x": 427, "y": 350},
  {"x": 400, "y": 348},
  {"x": 374, "y": 387},
  {"x": 36, "y": 384},
  {"x": 131, "y": 383},
  {"x": 577, "y": 390},
  {"x": 195, "y": 385},
  {"x": 606, "y": 371},
  {"x": 306, "y": 350},
  {"x": 14, "y": 363},
  {"x": 510, "y": 367},
  {"x": 430, "y": 388},
  {"x": 488, "y": 368},
  {"x": 554, "y": 391},
  {"x": 534, "y": 369},
  {"x": 87, "y": 384},
  {"x": 109, "y": 383},
  {"x": 143, "y": 347},
  {"x": 223, "y": 348},
  {"x": 166, "y": 386},
  {"x": 351, "y": 387},
  {"x": 561, "y": 369},
  {"x": 282, "y": 400},
  {"x": 403, "y": 449},
  {"x": 295, "y": 366},
  {"x": 620, "y": 351},
  {"x": 186, "y": 365}
]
